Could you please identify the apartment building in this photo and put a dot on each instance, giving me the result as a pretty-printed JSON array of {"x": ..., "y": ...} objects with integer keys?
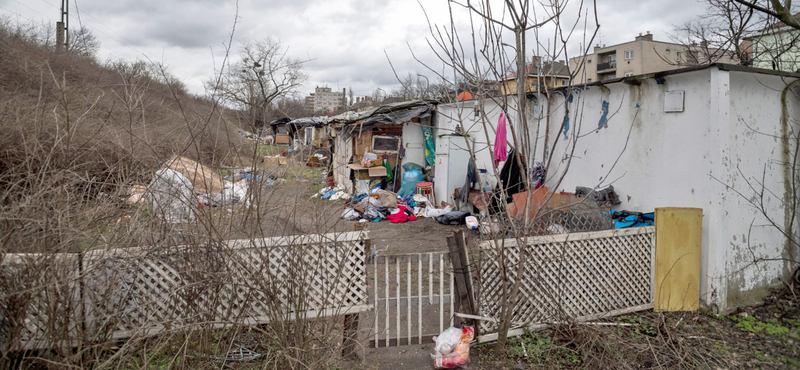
[
  {"x": 552, "y": 74},
  {"x": 641, "y": 56},
  {"x": 324, "y": 100},
  {"x": 775, "y": 47}
]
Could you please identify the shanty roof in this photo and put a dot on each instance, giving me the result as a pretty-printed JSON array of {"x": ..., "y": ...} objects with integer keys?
[{"x": 393, "y": 113}]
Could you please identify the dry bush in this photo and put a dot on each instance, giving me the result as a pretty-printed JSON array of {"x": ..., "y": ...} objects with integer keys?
[{"x": 75, "y": 136}]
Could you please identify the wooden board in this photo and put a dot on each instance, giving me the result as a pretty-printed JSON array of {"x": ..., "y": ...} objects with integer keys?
[{"x": 677, "y": 262}]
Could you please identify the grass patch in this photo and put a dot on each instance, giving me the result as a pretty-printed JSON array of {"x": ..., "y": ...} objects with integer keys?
[{"x": 751, "y": 325}]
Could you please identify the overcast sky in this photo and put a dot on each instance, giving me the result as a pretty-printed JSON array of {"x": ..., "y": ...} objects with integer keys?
[{"x": 343, "y": 40}]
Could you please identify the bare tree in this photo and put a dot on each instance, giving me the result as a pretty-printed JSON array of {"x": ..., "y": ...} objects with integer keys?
[
  {"x": 478, "y": 60},
  {"x": 264, "y": 73},
  {"x": 83, "y": 43},
  {"x": 780, "y": 11},
  {"x": 718, "y": 34}
]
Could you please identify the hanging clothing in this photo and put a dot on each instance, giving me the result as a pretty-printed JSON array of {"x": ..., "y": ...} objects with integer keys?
[
  {"x": 511, "y": 179},
  {"x": 500, "y": 142},
  {"x": 469, "y": 182}
]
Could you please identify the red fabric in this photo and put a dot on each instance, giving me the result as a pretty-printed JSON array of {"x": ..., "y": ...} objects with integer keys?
[
  {"x": 401, "y": 216},
  {"x": 500, "y": 142}
]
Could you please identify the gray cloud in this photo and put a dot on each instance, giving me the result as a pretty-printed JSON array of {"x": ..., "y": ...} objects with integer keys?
[{"x": 344, "y": 41}]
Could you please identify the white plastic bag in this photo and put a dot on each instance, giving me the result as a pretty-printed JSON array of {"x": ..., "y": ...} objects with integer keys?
[
  {"x": 435, "y": 212},
  {"x": 448, "y": 341},
  {"x": 458, "y": 357}
]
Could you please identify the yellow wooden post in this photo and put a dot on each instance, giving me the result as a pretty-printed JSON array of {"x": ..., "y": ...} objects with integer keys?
[{"x": 677, "y": 263}]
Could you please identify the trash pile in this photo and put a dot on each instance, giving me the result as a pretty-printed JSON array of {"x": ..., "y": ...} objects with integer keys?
[
  {"x": 452, "y": 348},
  {"x": 182, "y": 185}
]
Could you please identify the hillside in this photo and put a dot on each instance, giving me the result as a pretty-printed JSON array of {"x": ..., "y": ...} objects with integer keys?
[{"x": 76, "y": 134}]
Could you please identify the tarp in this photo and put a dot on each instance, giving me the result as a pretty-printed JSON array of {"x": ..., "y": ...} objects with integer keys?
[
  {"x": 307, "y": 122},
  {"x": 391, "y": 114},
  {"x": 203, "y": 179}
]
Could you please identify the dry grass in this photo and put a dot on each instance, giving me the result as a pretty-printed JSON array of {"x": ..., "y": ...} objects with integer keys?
[{"x": 75, "y": 136}]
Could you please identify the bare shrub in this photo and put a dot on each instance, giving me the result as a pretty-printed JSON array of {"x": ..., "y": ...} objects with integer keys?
[{"x": 79, "y": 265}]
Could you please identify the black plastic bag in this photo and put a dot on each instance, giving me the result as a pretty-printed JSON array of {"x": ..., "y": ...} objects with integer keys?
[{"x": 453, "y": 218}]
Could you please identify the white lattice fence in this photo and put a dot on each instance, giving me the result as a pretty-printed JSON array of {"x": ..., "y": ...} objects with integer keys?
[
  {"x": 40, "y": 301},
  {"x": 141, "y": 291},
  {"x": 578, "y": 276}
]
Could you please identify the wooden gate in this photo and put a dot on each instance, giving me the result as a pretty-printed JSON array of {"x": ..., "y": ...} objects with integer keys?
[{"x": 412, "y": 295}]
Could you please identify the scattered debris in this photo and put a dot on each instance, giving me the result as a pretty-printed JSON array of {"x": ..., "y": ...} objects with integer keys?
[
  {"x": 240, "y": 354},
  {"x": 203, "y": 179},
  {"x": 172, "y": 196},
  {"x": 452, "y": 348}
]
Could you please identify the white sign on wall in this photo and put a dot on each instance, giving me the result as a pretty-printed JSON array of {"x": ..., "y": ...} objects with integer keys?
[{"x": 673, "y": 101}]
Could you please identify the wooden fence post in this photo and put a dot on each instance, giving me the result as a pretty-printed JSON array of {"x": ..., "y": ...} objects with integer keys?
[{"x": 464, "y": 301}]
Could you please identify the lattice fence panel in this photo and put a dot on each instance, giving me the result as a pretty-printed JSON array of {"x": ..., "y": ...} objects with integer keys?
[
  {"x": 138, "y": 291},
  {"x": 40, "y": 301},
  {"x": 575, "y": 276}
]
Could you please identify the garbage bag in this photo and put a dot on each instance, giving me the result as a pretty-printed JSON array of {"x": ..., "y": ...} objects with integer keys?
[
  {"x": 172, "y": 196},
  {"x": 453, "y": 218},
  {"x": 410, "y": 166},
  {"x": 459, "y": 356},
  {"x": 350, "y": 214},
  {"x": 435, "y": 212},
  {"x": 448, "y": 340},
  {"x": 410, "y": 181}
]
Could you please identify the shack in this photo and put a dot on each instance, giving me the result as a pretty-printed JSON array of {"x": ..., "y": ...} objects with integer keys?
[
  {"x": 394, "y": 131},
  {"x": 307, "y": 131},
  {"x": 283, "y": 135}
]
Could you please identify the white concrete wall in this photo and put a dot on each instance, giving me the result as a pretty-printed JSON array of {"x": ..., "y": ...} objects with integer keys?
[
  {"x": 483, "y": 129},
  {"x": 657, "y": 159},
  {"x": 756, "y": 154}
]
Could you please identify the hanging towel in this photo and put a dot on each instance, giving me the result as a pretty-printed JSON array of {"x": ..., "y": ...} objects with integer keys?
[{"x": 500, "y": 141}]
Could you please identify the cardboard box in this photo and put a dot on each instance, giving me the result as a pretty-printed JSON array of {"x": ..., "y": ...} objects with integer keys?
[
  {"x": 282, "y": 139},
  {"x": 274, "y": 161},
  {"x": 377, "y": 171}
]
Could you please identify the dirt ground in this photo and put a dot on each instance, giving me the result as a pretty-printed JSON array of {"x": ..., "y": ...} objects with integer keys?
[{"x": 293, "y": 209}]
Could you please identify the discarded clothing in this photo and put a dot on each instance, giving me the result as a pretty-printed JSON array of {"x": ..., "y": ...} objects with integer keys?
[
  {"x": 626, "y": 219},
  {"x": 602, "y": 196},
  {"x": 388, "y": 199},
  {"x": 350, "y": 214},
  {"x": 403, "y": 214},
  {"x": 538, "y": 175},
  {"x": 453, "y": 218},
  {"x": 500, "y": 141}
]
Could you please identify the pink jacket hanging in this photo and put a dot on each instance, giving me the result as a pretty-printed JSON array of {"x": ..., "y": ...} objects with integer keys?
[{"x": 500, "y": 142}]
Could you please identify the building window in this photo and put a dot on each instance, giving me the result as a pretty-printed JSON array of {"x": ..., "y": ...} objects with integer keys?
[
  {"x": 628, "y": 74},
  {"x": 628, "y": 54},
  {"x": 678, "y": 56},
  {"x": 612, "y": 58}
]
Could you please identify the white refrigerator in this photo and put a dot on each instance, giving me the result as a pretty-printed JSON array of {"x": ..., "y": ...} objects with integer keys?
[{"x": 452, "y": 161}]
